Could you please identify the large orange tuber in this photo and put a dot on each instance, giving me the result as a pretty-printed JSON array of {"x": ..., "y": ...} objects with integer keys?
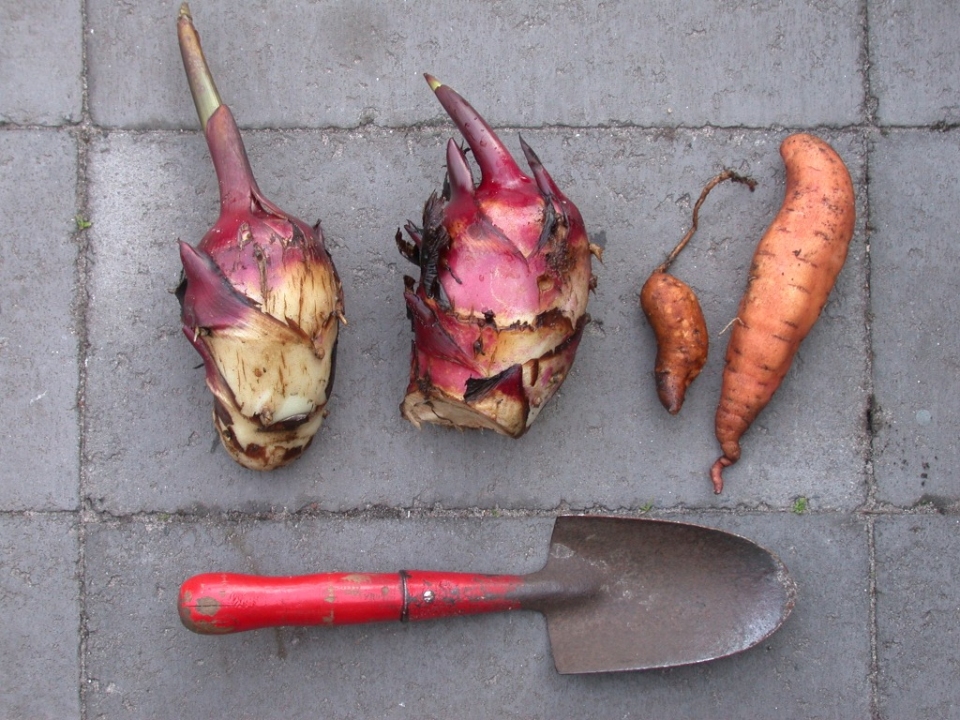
[{"x": 793, "y": 271}]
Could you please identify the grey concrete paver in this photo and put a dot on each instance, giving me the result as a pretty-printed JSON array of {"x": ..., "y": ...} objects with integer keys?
[
  {"x": 915, "y": 268},
  {"x": 113, "y": 487},
  {"x": 584, "y": 63},
  {"x": 41, "y": 56},
  {"x": 605, "y": 440},
  {"x": 38, "y": 329},
  {"x": 915, "y": 62},
  {"x": 918, "y": 616},
  {"x": 40, "y": 606},
  {"x": 816, "y": 666}
]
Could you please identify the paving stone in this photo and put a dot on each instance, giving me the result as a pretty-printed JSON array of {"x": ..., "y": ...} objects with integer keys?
[
  {"x": 41, "y": 53},
  {"x": 38, "y": 331},
  {"x": 914, "y": 266},
  {"x": 918, "y": 615},
  {"x": 39, "y": 601},
  {"x": 584, "y": 64},
  {"x": 142, "y": 663},
  {"x": 633, "y": 107},
  {"x": 603, "y": 440},
  {"x": 915, "y": 62}
]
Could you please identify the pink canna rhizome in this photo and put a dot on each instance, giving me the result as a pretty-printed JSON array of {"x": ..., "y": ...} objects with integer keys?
[
  {"x": 505, "y": 276},
  {"x": 260, "y": 298}
]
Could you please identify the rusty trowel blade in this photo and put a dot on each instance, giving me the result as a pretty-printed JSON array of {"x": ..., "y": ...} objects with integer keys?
[{"x": 666, "y": 594}]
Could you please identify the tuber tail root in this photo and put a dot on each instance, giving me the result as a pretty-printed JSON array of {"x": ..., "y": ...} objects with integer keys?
[
  {"x": 725, "y": 175},
  {"x": 716, "y": 471}
]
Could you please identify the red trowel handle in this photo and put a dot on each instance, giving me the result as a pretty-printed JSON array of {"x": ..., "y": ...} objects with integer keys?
[{"x": 218, "y": 603}]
